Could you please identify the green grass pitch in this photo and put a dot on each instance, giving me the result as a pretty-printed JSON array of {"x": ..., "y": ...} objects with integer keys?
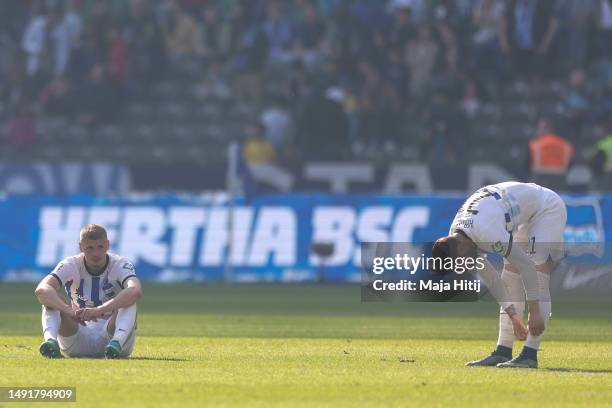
[{"x": 293, "y": 346}]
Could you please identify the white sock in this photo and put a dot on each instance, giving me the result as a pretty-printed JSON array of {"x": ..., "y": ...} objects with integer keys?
[
  {"x": 50, "y": 323},
  {"x": 514, "y": 285},
  {"x": 125, "y": 323},
  {"x": 545, "y": 308}
]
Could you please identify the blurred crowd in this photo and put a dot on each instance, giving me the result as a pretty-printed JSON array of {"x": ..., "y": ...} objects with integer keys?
[{"x": 333, "y": 79}]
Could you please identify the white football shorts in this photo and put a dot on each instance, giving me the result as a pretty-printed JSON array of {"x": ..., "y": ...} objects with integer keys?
[
  {"x": 90, "y": 340},
  {"x": 542, "y": 237}
]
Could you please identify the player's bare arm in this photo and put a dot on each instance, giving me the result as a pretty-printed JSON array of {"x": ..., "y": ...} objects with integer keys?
[
  {"x": 527, "y": 269},
  {"x": 466, "y": 247},
  {"x": 47, "y": 294},
  {"x": 499, "y": 291}
]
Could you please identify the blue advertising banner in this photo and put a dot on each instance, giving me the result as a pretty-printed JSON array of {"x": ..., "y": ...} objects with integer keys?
[{"x": 176, "y": 237}]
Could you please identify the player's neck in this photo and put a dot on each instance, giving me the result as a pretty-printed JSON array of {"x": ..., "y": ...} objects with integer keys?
[{"x": 96, "y": 272}]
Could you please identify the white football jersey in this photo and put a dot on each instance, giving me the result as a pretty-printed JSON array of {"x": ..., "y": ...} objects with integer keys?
[
  {"x": 88, "y": 290},
  {"x": 492, "y": 214}
]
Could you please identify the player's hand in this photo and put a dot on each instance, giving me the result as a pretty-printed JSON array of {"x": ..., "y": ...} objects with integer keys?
[
  {"x": 536, "y": 323},
  {"x": 90, "y": 313},
  {"x": 75, "y": 313},
  {"x": 520, "y": 331}
]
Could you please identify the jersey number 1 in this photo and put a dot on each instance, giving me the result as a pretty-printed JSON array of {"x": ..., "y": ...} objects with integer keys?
[{"x": 532, "y": 250}]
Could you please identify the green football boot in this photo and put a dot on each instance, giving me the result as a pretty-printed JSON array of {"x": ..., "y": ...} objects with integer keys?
[
  {"x": 50, "y": 349},
  {"x": 112, "y": 350},
  {"x": 519, "y": 362},
  {"x": 491, "y": 360}
]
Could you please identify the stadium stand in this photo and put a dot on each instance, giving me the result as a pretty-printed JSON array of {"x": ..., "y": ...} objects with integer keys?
[{"x": 132, "y": 95}]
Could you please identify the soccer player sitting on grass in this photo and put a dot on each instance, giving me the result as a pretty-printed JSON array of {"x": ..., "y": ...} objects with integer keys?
[
  {"x": 103, "y": 289},
  {"x": 524, "y": 223}
]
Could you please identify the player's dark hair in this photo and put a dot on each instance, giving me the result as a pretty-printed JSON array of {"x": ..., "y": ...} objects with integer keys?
[
  {"x": 445, "y": 247},
  {"x": 92, "y": 232}
]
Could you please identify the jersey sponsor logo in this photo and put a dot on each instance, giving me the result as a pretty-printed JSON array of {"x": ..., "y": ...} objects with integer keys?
[
  {"x": 128, "y": 266},
  {"x": 82, "y": 298},
  {"x": 107, "y": 288}
]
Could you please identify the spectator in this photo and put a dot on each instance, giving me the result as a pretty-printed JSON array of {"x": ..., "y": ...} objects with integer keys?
[
  {"x": 322, "y": 130},
  {"x": 421, "y": 54},
  {"x": 46, "y": 42},
  {"x": 329, "y": 74},
  {"x": 257, "y": 149},
  {"x": 74, "y": 22},
  {"x": 56, "y": 99},
  {"x": 396, "y": 74},
  {"x": 279, "y": 35},
  {"x": 235, "y": 26},
  {"x": 601, "y": 160},
  {"x": 309, "y": 36},
  {"x": 249, "y": 65},
  {"x": 604, "y": 28},
  {"x": 550, "y": 155},
  {"x": 418, "y": 8},
  {"x": 379, "y": 110},
  {"x": 528, "y": 31},
  {"x": 577, "y": 103},
  {"x": 446, "y": 129},
  {"x": 98, "y": 26},
  {"x": 117, "y": 56},
  {"x": 377, "y": 50},
  {"x": 470, "y": 103},
  {"x": 402, "y": 28},
  {"x": 214, "y": 84},
  {"x": 98, "y": 101},
  {"x": 182, "y": 39},
  {"x": 145, "y": 46},
  {"x": 606, "y": 103},
  {"x": 20, "y": 129},
  {"x": 277, "y": 121},
  {"x": 447, "y": 36},
  {"x": 577, "y": 21},
  {"x": 299, "y": 86},
  {"x": 214, "y": 38},
  {"x": 486, "y": 53}
]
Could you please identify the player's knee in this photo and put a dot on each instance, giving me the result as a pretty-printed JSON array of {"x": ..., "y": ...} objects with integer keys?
[{"x": 65, "y": 316}]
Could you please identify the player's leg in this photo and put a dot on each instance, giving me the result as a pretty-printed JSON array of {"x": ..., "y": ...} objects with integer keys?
[
  {"x": 121, "y": 328},
  {"x": 506, "y": 337},
  {"x": 528, "y": 358},
  {"x": 507, "y": 331},
  {"x": 55, "y": 323},
  {"x": 545, "y": 246}
]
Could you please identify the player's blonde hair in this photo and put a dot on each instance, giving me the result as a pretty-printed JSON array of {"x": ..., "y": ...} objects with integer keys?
[{"x": 93, "y": 232}]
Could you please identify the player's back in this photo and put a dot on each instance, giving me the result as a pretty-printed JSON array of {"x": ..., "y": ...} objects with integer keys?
[{"x": 524, "y": 199}]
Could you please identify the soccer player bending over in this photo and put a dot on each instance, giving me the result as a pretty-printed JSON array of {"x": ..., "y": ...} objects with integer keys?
[
  {"x": 103, "y": 289},
  {"x": 524, "y": 223}
]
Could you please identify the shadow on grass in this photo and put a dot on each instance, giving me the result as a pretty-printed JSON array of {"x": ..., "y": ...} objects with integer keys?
[
  {"x": 577, "y": 370},
  {"x": 144, "y": 358},
  {"x": 158, "y": 358}
]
